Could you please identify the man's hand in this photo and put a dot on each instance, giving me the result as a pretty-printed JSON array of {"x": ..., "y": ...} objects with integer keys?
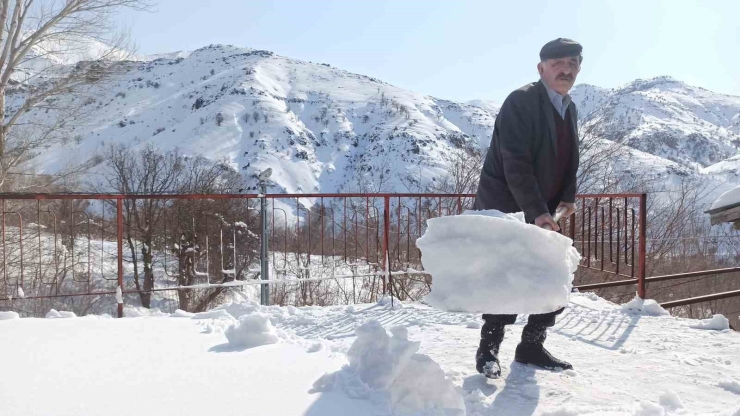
[
  {"x": 545, "y": 220},
  {"x": 571, "y": 208}
]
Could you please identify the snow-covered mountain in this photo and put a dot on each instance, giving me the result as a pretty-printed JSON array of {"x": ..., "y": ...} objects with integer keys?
[
  {"x": 666, "y": 118},
  {"x": 323, "y": 129},
  {"x": 319, "y": 128}
]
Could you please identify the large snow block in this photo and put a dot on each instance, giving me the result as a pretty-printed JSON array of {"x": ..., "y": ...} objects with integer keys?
[{"x": 490, "y": 262}]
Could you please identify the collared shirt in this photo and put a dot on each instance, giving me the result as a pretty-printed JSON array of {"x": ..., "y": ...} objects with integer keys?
[{"x": 560, "y": 102}]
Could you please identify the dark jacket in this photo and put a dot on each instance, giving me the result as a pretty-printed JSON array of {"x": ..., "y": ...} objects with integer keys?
[{"x": 518, "y": 172}]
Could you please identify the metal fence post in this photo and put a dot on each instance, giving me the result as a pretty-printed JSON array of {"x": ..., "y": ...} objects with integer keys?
[
  {"x": 386, "y": 233},
  {"x": 119, "y": 223},
  {"x": 641, "y": 289},
  {"x": 264, "y": 257}
]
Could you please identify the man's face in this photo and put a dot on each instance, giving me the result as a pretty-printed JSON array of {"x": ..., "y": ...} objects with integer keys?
[{"x": 560, "y": 74}]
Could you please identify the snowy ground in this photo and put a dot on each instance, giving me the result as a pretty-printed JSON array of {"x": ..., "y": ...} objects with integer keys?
[{"x": 625, "y": 364}]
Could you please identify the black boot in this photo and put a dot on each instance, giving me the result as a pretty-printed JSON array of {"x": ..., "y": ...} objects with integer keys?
[
  {"x": 486, "y": 359},
  {"x": 531, "y": 350}
]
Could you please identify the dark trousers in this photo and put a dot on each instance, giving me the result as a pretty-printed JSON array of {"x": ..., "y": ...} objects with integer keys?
[{"x": 545, "y": 319}]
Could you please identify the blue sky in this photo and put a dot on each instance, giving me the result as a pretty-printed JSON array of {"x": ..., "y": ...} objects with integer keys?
[{"x": 465, "y": 49}]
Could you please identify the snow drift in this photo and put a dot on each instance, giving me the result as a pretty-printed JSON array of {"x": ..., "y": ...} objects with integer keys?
[
  {"x": 487, "y": 261},
  {"x": 388, "y": 370},
  {"x": 6, "y": 316},
  {"x": 53, "y": 313},
  {"x": 644, "y": 307},
  {"x": 251, "y": 331},
  {"x": 717, "y": 322}
]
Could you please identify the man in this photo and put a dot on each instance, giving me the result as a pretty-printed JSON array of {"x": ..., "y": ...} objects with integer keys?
[{"x": 531, "y": 166}]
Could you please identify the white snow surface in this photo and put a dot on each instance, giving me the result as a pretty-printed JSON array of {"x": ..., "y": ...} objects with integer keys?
[
  {"x": 487, "y": 261},
  {"x": 718, "y": 322},
  {"x": 728, "y": 198},
  {"x": 625, "y": 364}
]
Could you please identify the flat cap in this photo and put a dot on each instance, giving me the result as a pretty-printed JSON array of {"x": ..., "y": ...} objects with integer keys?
[{"x": 560, "y": 48}]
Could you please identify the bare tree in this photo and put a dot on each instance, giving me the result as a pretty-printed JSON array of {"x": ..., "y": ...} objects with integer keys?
[
  {"x": 147, "y": 171},
  {"x": 39, "y": 40}
]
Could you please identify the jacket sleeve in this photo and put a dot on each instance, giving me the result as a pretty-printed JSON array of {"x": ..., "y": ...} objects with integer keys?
[
  {"x": 515, "y": 140},
  {"x": 569, "y": 193}
]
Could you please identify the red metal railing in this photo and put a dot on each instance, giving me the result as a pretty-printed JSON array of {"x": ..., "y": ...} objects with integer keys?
[{"x": 314, "y": 238}]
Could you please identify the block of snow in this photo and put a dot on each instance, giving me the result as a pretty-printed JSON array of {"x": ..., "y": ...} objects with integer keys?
[
  {"x": 644, "y": 307},
  {"x": 60, "y": 314},
  {"x": 388, "y": 369},
  {"x": 728, "y": 198},
  {"x": 251, "y": 331},
  {"x": 6, "y": 316},
  {"x": 718, "y": 322},
  {"x": 473, "y": 325},
  {"x": 730, "y": 385},
  {"x": 490, "y": 262}
]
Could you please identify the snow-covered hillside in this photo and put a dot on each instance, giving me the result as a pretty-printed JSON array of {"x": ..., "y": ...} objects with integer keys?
[
  {"x": 246, "y": 359},
  {"x": 319, "y": 128}
]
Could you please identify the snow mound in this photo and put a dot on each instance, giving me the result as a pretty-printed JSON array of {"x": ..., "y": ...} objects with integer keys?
[
  {"x": 213, "y": 314},
  {"x": 182, "y": 314},
  {"x": 6, "y": 316},
  {"x": 730, "y": 385},
  {"x": 251, "y": 331},
  {"x": 644, "y": 307},
  {"x": 390, "y": 301},
  {"x": 728, "y": 198},
  {"x": 387, "y": 369},
  {"x": 718, "y": 322},
  {"x": 60, "y": 314},
  {"x": 238, "y": 309},
  {"x": 491, "y": 262},
  {"x": 671, "y": 401},
  {"x": 139, "y": 311}
]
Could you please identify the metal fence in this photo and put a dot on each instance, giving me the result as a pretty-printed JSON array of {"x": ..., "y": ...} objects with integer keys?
[{"x": 189, "y": 251}]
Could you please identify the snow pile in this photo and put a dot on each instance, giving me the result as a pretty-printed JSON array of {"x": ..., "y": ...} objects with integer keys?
[
  {"x": 644, "y": 307},
  {"x": 728, "y": 198},
  {"x": 390, "y": 302},
  {"x": 60, "y": 314},
  {"x": 237, "y": 309},
  {"x": 251, "y": 331},
  {"x": 213, "y": 314},
  {"x": 182, "y": 314},
  {"x": 730, "y": 385},
  {"x": 718, "y": 322},
  {"x": 388, "y": 370},
  {"x": 487, "y": 261},
  {"x": 671, "y": 401},
  {"x": 6, "y": 316}
]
